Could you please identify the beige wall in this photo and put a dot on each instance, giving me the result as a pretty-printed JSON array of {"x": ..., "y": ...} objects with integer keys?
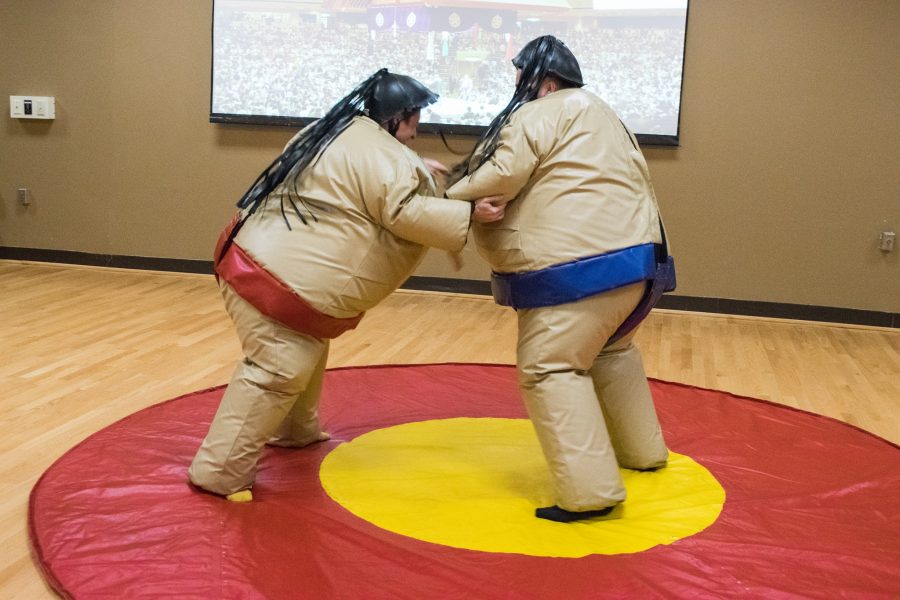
[{"x": 788, "y": 169}]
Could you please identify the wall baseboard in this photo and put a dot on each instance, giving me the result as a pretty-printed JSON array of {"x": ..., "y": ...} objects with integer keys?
[
  {"x": 754, "y": 308},
  {"x": 144, "y": 263},
  {"x": 780, "y": 310}
]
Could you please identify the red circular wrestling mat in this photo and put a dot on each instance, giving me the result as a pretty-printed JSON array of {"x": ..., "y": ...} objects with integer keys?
[{"x": 812, "y": 507}]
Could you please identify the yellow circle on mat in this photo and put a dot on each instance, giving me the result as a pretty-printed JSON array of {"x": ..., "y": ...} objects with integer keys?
[{"x": 474, "y": 484}]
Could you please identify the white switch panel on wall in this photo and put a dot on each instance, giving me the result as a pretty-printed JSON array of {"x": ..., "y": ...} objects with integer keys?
[{"x": 32, "y": 107}]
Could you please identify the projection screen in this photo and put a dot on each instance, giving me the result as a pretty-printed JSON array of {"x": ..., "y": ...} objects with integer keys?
[{"x": 287, "y": 61}]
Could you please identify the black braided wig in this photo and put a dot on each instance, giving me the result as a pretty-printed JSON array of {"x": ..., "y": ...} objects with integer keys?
[
  {"x": 302, "y": 151},
  {"x": 535, "y": 67}
]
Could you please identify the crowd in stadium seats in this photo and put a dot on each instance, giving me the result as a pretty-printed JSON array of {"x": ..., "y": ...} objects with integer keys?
[{"x": 290, "y": 64}]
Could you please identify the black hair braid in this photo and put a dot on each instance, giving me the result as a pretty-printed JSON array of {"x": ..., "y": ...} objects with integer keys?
[
  {"x": 299, "y": 154},
  {"x": 304, "y": 150},
  {"x": 535, "y": 69}
]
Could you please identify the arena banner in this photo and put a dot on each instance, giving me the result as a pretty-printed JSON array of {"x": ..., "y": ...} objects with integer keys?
[
  {"x": 463, "y": 19},
  {"x": 451, "y": 19}
]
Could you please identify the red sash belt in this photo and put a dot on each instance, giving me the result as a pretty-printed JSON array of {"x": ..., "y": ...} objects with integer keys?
[{"x": 274, "y": 298}]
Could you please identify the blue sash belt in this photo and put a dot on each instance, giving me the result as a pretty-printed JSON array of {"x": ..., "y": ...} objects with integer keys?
[{"x": 574, "y": 280}]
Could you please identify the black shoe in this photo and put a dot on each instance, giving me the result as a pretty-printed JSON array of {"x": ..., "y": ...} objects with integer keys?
[{"x": 561, "y": 515}]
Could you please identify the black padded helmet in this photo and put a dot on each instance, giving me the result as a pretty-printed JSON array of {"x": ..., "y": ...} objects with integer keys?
[
  {"x": 395, "y": 95},
  {"x": 559, "y": 59}
]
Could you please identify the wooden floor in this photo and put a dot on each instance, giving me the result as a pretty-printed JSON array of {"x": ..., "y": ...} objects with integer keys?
[{"x": 83, "y": 347}]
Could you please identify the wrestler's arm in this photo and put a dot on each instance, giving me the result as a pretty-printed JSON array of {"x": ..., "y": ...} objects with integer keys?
[
  {"x": 420, "y": 218},
  {"x": 507, "y": 171}
]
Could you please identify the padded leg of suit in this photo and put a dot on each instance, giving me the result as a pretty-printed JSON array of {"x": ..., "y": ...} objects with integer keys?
[
  {"x": 572, "y": 434},
  {"x": 621, "y": 385},
  {"x": 278, "y": 365},
  {"x": 301, "y": 426},
  {"x": 556, "y": 350}
]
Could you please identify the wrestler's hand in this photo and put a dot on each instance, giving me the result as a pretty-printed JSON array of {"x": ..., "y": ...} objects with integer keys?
[
  {"x": 436, "y": 167},
  {"x": 489, "y": 209}
]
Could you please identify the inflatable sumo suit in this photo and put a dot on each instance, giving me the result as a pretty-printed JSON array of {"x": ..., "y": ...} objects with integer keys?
[
  {"x": 576, "y": 255},
  {"x": 332, "y": 227}
]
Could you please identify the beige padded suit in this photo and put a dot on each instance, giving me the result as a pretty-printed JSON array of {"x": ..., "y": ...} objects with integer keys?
[{"x": 579, "y": 187}]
